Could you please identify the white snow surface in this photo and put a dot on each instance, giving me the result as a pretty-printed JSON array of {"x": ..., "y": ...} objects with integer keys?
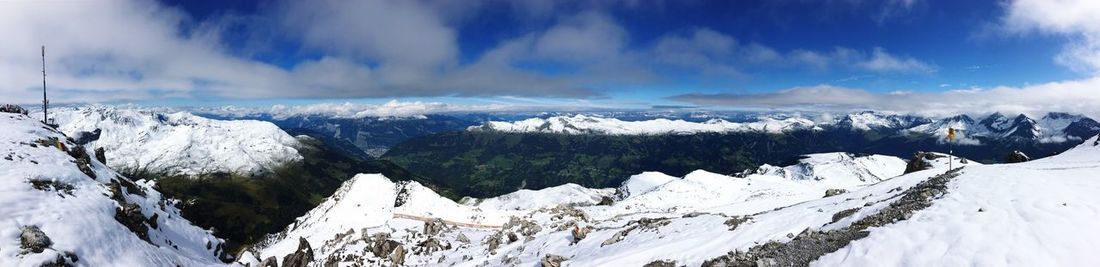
[
  {"x": 82, "y": 220},
  {"x": 525, "y": 199},
  {"x": 181, "y": 143},
  {"x": 1036, "y": 213},
  {"x": 839, "y": 170},
  {"x": 697, "y": 204}
]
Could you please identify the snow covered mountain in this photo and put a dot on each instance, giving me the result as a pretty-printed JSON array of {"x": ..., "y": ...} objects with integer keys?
[
  {"x": 61, "y": 206},
  {"x": 180, "y": 143},
  {"x": 1025, "y": 214},
  {"x": 374, "y": 221},
  {"x": 585, "y": 124},
  {"x": 1053, "y": 127}
]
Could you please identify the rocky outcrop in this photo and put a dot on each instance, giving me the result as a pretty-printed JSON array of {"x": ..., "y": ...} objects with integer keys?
[
  {"x": 9, "y": 108},
  {"x": 833, "y": 192},
  {"x": 434, "y": 227},
  {"x": 660, "y": 263},
  {"x": 129, "y": 215},
  {"x": 1016, "y": 157},
  {"x": 83, "y": 138},
  {"x": 101, "y": 155},
  {"x": 269, "y": 262},
  {"x": 301, "y": 257},
  {"x": 920, "y": 161}
]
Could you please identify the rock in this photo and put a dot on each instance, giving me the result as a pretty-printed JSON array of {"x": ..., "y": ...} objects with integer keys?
[
  {"x": 101, "y": 155},
  {"x": 1016, "y": 157},
  {"x": 33, "y": 239},
  {"x": 129, "y": 215},
  {"x": 551, "y": 260},
  {"x": 919, "y": 162},
  {"x": 66, "y": 259},
  {"x": 434, "y": 227},
  {"x": 737, "y": 220},
  {"x": 398, "y": 256},
  {"x": 512, "y": 237},
  {"x": 9, "y": 108},
  {"x": 462, "y": 238},
  {"x": 494, "y": 241},
  {"x": 844, "y": 214},
  {"x": 83, "y": 138},
  {"x": 381, "y": 246},
  {"x": 301, "y": 257},
  {"x": 431, "y": 245},
  {"x": 83, "y": 161},
  {"x": 660, "y": 263},
  {"x": 525, "y": 227},
  {"x": 579, "y": 233},
  {"x": 606, "y": 201},
  {"x": 269, "y": 262},
  {"x": 835, "y": 191}
]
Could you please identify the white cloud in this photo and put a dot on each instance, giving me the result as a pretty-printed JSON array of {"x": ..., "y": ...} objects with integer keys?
[
  {"x": 1078, "y": 20},
  {"x": 880, "y": 61},
  {"x": 393, "y": 108},
  {"x": 1078, "y": 96},
  {"x": 137, "y": 50}
]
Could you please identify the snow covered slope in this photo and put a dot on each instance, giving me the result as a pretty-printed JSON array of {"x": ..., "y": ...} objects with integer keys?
[
  {"x": 838, "y": 169},
  {"x": 1038, "y": 213},
  {"x": 180, "y": 143},
  {"x": 525, "y": 199},
  {"x": 59, "y": 205},
  {"x": 370, "y": 216}
]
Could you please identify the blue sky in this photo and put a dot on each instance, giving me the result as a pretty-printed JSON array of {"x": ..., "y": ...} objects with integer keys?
[{"x": 631, "y": 54}]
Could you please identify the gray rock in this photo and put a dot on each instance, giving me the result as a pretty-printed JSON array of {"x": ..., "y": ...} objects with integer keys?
[
  {"x": 579, "y": 233},
  {"x": 844, "y": 214},
  {"x": 551, "y": 260},
  {"x": 434, "y": 227},
  {"x": 462, "y": 238},
  {"x": 835, "y": 191},
  {"x": 1016, "y": 157},
  {"x": 431, "y": 245},
  {"x": 736, "y": 221},
  {"x": 269, "y": 262},
  {"x": 398, "y": 256},
  {"x": 33, "y": 239},
  {"x": 101, "y": 155},
  {"x": 301, "y": 257},
  {"x": 129, "y": 215},
  {"x": 660, "y": 263}
]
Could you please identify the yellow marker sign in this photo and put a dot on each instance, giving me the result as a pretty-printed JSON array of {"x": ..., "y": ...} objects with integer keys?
[{"x": 950, "y": 134}]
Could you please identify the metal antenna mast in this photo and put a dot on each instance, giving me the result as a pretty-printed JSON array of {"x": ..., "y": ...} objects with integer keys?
[{"x": 45, "y": 102}]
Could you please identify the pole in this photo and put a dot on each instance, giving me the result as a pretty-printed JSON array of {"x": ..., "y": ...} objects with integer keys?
[{"x": 45, "y": 102}]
